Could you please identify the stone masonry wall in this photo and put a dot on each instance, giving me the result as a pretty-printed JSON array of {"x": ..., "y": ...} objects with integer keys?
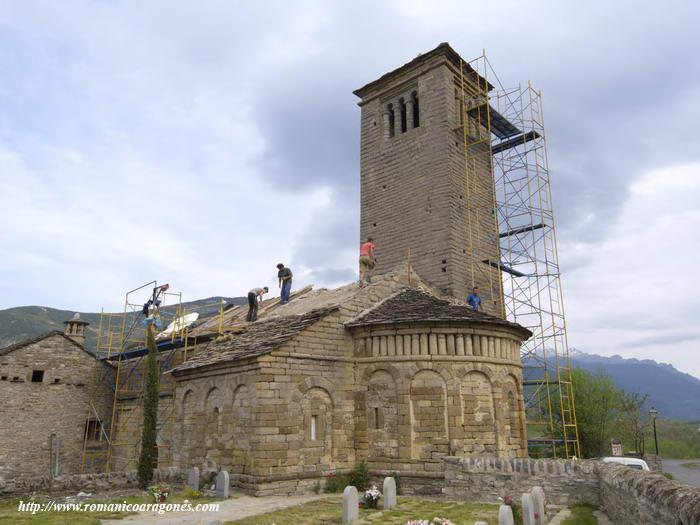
[
  {"x": 424, "y": 391},
  {"x": 299, "y": 419},
  {"x": 628, "y": 496},
  {"x": 86, "y": 482},
  {"x": 487, "y": 479},
  {"x": 40, "y": 418},
  {"x": 634, "y": 497}
]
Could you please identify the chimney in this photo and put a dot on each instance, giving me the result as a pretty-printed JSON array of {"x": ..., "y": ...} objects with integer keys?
[{"x": 75, "y": 329}]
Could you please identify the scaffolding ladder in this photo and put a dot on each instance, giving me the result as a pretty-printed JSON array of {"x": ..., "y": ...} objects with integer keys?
[{"x": 524, "y": 247}]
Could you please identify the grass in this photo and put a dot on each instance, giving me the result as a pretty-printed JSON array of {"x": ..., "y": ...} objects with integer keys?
[
  {"x": 9, "y": 515},
  {"x": 328, "y": 512},
  {"x": 582, "y": 514},
  {"x": 691, "y": 465}
]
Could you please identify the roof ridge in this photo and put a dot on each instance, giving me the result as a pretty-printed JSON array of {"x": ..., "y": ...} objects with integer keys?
[{"x": 31, "y": 340}]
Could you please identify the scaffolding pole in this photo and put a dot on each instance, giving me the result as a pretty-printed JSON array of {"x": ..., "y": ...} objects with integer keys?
[
  {"x": 524, "y": 246},
  {"x": 121, "y": 342}
]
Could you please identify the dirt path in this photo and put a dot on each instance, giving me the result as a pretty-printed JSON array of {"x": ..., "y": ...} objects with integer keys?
[{"x": 237, "y": 507}]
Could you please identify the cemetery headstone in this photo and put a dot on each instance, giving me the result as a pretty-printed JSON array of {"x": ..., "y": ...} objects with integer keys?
[
  {"x": 538, "y": 502},
  {"x": 389, "y": 492},
  {"x": 505, "y": 515},
  {"x": 351, "y": 505},
  {"x": 193, "y": 478},
  {"x": 222, "y": 484},
  {"x": 528, "y": 510}
]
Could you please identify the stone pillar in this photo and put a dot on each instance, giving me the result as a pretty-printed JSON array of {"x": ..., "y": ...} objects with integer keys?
[
  {"x": 386, "y": 124},
  {"x": 75, "y": 329},
  {"x": 409, "y": 113}
]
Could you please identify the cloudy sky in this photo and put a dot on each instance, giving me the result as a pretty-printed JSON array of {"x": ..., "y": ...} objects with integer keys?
[{"x": 199, "y": 143}]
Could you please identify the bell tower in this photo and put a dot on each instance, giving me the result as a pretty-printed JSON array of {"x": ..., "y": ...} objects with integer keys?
[{"x": 427, "y": 186}]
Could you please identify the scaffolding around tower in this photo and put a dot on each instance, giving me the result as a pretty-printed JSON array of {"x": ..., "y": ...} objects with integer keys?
[{"x": 524, "y": 244}]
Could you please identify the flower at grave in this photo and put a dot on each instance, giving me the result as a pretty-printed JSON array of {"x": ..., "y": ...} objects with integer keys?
[
  {"x": 160, "y": 492},
  {"x": 371, "y": 497},
  {"x": 441, "y": 521},
  {"x": 418, "y": 522}
]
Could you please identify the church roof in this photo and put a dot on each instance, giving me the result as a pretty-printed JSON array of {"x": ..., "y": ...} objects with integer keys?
[
  {"x": 260, "y": 338},
  {"x": 444, "y": 49},
  {"x": 32, "y": 340},
  {"x": 413, "y": 306}
]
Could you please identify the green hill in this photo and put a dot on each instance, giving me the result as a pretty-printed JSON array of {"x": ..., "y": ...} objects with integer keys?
[{"x": 17, "y": 324}]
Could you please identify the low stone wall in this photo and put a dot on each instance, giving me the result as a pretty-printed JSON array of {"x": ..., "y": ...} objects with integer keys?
[
  {"x": 487, "y": 479},
  {"x": 633, "y": 497},
  {"x": 86, "y": 482}
]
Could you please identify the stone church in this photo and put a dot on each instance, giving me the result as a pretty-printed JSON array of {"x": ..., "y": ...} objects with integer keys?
[
  {"x": 399, "y": 373},
  {"x": 390, "y": 374}
]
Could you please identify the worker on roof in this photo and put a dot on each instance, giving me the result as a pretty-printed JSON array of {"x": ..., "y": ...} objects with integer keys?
[
  {"x": 255, "y": 295},
  {"x": 474, "y": 300},
  {"x": 285, "y": 282},
  {"x": 367, "y": 261}
]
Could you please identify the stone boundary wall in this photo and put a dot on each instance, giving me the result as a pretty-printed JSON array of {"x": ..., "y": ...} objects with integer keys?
[
  {"x": 86, "y": 482},
  {"x": 633, "y": 497},
  {"x": 486, "y": 479}
]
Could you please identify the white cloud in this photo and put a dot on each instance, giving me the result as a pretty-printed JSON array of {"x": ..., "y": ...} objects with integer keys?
[
  {"x": 202, "y": 143},
  {"x": 637, "y": 294}
]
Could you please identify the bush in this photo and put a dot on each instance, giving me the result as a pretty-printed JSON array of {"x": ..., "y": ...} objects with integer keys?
[
  {"x": 360, "y": 477},
  {"x": 395, "y": 475},
  {"x": 336, "y": 482},
  {"x": 191, "y": 494}
]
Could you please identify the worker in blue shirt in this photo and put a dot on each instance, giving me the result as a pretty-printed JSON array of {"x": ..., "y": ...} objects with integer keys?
[{"x": 474, "y": 300}]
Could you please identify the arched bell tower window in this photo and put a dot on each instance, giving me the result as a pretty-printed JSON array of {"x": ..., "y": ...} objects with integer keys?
[
  {"x": 392, "y": 120},
  {"x": 404, "y": 120},
  {"x": 416, "y": 110}
]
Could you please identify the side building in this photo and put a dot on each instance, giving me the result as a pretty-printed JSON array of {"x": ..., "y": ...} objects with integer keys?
[{"x": 55, "y": 395}]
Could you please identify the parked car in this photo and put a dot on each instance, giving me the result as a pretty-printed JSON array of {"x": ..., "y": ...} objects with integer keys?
[{"x": 637, "y": 463}]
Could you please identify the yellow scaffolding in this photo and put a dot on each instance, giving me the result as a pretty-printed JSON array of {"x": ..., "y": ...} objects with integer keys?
[
  {"x": 122, "y": 343},
  {"x": 482, "y": 251},
  {"x": 519, "y": 241}
]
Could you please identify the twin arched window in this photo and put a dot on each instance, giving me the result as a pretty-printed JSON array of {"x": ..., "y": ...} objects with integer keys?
[{"x": 403, "y": 115}]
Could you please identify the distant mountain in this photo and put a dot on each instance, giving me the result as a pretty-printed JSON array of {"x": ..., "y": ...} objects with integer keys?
[
  {"x": 17, "y": 324},
  {"x": 675, "y": 394}
]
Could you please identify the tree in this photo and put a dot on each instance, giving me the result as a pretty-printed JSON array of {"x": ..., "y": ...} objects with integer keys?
[
  {"x": 633, "y": 419},
  {"x": 148, "y": 459},
  {"x": 597, "y": 404}
]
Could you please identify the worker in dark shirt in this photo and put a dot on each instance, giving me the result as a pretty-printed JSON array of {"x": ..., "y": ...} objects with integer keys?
[
  {"x": 474, "y": 300},
  {"x": 255, "y": 296},
  {"x": 285, "y": 282}
]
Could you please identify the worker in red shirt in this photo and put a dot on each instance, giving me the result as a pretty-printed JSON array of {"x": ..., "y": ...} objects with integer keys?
[{"x": 366, "y": 261}]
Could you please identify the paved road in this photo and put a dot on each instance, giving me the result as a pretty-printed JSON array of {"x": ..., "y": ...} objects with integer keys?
[
  {"x": 689, "y": 476},
  {"x": 239, "y": 506}
]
